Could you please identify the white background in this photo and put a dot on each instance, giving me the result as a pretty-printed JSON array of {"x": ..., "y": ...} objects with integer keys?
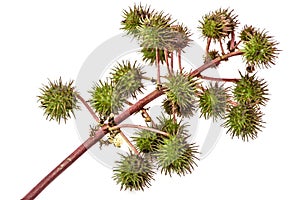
[{"x": 40, "y": 40}]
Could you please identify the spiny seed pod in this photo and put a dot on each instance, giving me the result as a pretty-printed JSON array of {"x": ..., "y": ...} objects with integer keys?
[
  {"x": 155, "y": 31},
  {"x": 58, "y": 100},
  {"x": 176, "y": 155},
  {"x": 127, "y": 79},
  {"x": 181, "y": 95},
  {"x": 146, "y": 141},
  {"x": 218, "y": 24},
  {"x": 149, "y": 55},
  {"x": 213, "y": 101},
  {"x": 133, "y": 172},
  {"x": 247, "y": 33},
  {"x": 213, "y": 54},
  {"x": 105, "y": 99},
  {"x": 170, "y": 107},
  {"x": 260, "y": 50},
  {"x": 168, "y": 125},
  {"x": 244, "y": 120},
  {"x": 158, "y": 19},
  {"x": 251, "y": 90},
  {"x": 134, "y": 17},
  {"x": 181, "y": 37}
]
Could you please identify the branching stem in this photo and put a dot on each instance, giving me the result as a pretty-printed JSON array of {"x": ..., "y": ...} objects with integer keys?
[
  {"x": 219, "y": 79},
  {"x": 144, "y": 113},
  {"x": 88, "y": 107},
  {"x": 214, "y": 62},
  {"x": 139, "y": 127},
  {"x": 237, "y": 44},
  {"x": 103, "y": 130},
  {"x": 132, "y": 147}
]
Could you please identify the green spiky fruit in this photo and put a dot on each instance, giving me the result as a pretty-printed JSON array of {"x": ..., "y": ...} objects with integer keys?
[
  {"x": 260, "y": 50},
  {"x": 146, "y": 141},
  {"x": 218, "y": 24},
  {"x": 133, "y": 172},
  {"x": 58, "y": 100},
  {"x": 157, "y": 19},
  {"x": 251, "y": 90},
  {"x": 133, "y": 18},
  {"x": 149, "y": 55},
  {"x": 106, "y": 99},
  {"x": 168, "y": 125},
  {"x": 247, "y": 33},
  {"x": 181, "y": 95},
  {"x": 181, "y": 37},
  {"x": 213, "y": 101},
  {"x": 170, "y": 107},
  {"x": 244, "y": 120},
  {"x": 155, "y": 31},
  {"x": 176, "y": 155},
  {"x": 127, "y": 78}
]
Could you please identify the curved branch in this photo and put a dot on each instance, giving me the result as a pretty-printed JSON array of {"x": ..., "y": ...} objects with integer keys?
[
  {"x": 88, "y": 107},
  {"x": 103, "y": 130},
  {"x": 214, "y": 62},
  {"x": 87, "y": 144},
  {"x": 139, "y": 127},
  {"x": 64, "y": 164},
  {"x": 129, "y": 143},
  {"x": 219, "y": 79}
]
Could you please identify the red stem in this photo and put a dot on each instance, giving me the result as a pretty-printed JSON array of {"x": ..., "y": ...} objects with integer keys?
[
  {"x": 179, "y": 61},
  {"x": 158, "y": 66},
  {"x": 88, "y": 107},
  {"x": 237, "y": 44},
  {"x": 172, "y": 62},
  {"x": 166, "y": 52},
  {"x": 132, "y": 147},
  {"x": 232, "y": 45},
  {"x": 222, "y": 49},
  {"x": 219, "y": 79},
  {"x": 214, "y": 62},
  {"x": 208, "y": 45},
  {"x": 64, "y": 165},
  {"x": 87, "y": 144},
  {"x": 102, "y": 131}
]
